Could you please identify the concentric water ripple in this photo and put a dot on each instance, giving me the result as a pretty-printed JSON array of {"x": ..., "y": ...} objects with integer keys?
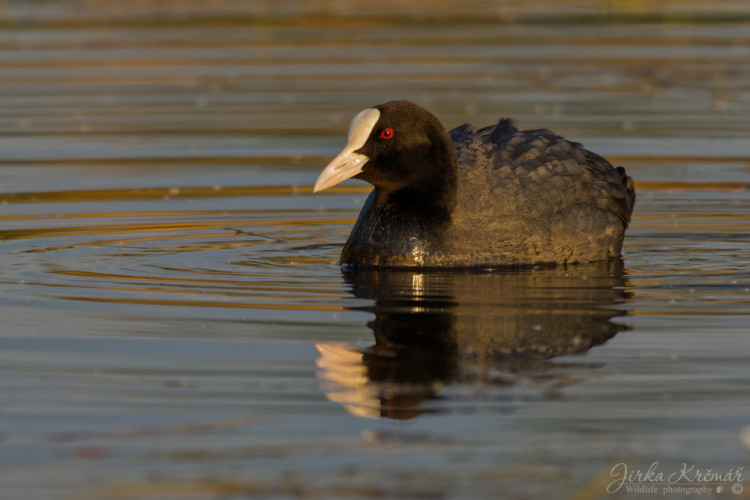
[{"x": 271, "y": 259}]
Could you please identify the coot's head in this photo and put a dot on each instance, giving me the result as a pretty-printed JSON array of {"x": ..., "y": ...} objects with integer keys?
[{"x": 396, "y": 146}]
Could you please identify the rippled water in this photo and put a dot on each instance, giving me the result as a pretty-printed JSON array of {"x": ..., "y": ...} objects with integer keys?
[{"x": 174, "y": 324}]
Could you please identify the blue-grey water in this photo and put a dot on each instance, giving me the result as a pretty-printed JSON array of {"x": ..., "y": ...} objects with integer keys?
[{"x": 173, "y": 323}]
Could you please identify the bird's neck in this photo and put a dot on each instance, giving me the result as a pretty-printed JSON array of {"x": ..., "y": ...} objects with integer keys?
[
  {"x": 431, "y": 202},
  {"x": 434, "y": 194}
]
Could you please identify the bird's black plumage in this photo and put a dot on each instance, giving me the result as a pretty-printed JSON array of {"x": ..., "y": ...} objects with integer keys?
[{"x": 496, "y": 196}]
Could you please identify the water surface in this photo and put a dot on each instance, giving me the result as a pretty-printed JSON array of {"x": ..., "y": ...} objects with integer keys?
[{"x": 174, "y": 324}]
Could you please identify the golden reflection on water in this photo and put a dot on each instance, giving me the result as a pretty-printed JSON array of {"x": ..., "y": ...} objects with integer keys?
[
  {"x": 111, "y": 195},
  {"x": 200, "y": 303},
  {"x": 159, "y": 229}
]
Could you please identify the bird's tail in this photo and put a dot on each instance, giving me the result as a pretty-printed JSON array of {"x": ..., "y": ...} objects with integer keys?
[{"x": 627, "y": 181}]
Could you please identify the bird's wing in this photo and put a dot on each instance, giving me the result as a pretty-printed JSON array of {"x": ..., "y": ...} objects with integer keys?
[{"x": 535, "y": 172}]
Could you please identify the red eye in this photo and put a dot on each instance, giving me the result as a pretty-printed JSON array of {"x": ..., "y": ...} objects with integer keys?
[{"x": 387, "y": 133}]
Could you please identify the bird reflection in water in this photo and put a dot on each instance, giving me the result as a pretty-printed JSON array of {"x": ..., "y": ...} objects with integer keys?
[{"x": 434, "y": 328}]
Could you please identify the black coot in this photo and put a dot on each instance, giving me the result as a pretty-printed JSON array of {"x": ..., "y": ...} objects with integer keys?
[{"x": 491, "y": 197}]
